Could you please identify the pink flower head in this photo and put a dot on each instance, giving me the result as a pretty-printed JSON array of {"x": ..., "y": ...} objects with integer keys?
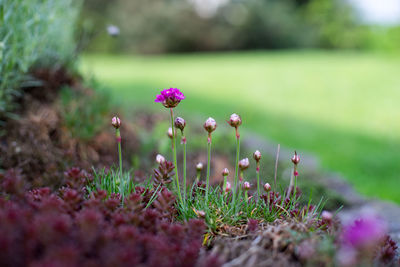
[
  {"x": 170, "y": 98},
  {"x": 364, "y": 232}
]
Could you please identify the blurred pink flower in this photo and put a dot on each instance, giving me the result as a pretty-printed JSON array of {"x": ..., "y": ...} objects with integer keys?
[
  {"x": 170, "y": 98},
  {"x": 364, "y": 232}
]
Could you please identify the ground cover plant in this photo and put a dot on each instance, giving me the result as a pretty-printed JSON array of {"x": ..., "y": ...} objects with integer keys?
[{"x": 344, "y": 119}]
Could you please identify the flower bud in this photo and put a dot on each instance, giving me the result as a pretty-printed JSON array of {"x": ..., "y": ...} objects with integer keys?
[
  {"x": 199, "y": 167},
  {"x": 180, "y": 123},
  {"x": 228, "y": 187},
  {"x": 326, "y": 216},
  {"x": 244, "y": 164},
  {"x": 169, "y": 133},
  {"x": 295, "y": 158},
  {"x": 116, "y": 122},
  {"x": 160, "y": 159},
  {"x": 296, "y": 173},
  {"x": 210, "y": 125},
  {"x": 235, "y": 120},
  {"x": 201, "y": 214},
  {"x": 257, "y": 155},
  {"x": 246, "y": 186},
  {"x": 267, "y": 187},
  {"x": 225, "y": 172}
]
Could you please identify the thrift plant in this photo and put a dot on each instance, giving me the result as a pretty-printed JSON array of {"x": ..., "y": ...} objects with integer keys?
[
  {"x": 116, "y": 122},
  {"x": 170, "y": 98}
]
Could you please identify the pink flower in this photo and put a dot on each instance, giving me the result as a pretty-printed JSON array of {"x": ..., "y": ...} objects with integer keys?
[
  {"x": 170, "y": 98},
  {"x": 364, "y": 232}
]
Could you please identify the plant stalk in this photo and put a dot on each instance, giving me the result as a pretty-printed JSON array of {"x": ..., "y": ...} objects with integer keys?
[
  {"x": 184, "y": 167},
  {"x": 258, "y": 180},
  {"x": 225, "y": 180},
  {"x": 276, "y": 166},
  {"x": 174, "y": 155},
  {"x": 208, "y": 166},
  {"x": 118, "y": 135},
  {"x": 235, "y": 181}
]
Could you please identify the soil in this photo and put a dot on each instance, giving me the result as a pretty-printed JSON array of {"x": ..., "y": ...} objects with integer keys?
[{"x": 38, "y": 144}]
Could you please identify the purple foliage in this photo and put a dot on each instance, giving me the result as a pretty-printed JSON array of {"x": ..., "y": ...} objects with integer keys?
[{"x": 69, "y": 228}]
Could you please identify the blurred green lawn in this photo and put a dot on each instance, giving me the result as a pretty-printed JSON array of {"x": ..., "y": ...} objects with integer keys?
[{"x": 342, "y": 106}]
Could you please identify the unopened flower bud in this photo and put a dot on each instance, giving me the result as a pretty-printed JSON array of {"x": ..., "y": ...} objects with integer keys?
[
  {"x": 295, "y": 158},
  {"x": 199, "y": 167},
  {"x": 326, "y": 216},
  {"x": 225, "y": 172},
  {"x": 228, "y": 187},
  {"x": 160, "y": 159},
  {"x": 180, "y": 123},
  {"x": 267, "y": 187},
  {"x": 210, "y": 125},
  {"x": 244, "y": 164},
  {"x": 235, "y": 120},
  {"x": 201, "y": 214},
  {"x": 246, "y": 186},
  {"x": 296, "y": 173},
  {"x": 169, "y": 133},
  {"x": 257, "y": 155},
  {"x": 116, "y": 122}
]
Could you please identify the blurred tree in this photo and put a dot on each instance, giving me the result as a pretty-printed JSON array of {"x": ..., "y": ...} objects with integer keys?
[{"x": 158, "y": 26}]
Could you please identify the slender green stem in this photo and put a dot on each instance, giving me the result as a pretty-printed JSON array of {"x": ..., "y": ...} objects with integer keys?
[
  {"x": 118, "y": 135},
  {"x": 208, "y": 166},
  {"x": 295, "y": 184},
  {"x": 174, "y": 155},
  {"x": 184, "y": 167},
  {"x": 235, "y": 181},
  {"x": 240, "y": 185},
  {"x": 258, "y": 180},
  {"x": 225, "y": 180}
]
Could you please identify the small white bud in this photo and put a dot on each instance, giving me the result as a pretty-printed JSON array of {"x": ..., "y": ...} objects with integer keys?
[{"x": 160, "y": 159}]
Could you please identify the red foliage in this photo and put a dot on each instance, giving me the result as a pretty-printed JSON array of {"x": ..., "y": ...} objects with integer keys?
[{"x": 67, "y": 228}]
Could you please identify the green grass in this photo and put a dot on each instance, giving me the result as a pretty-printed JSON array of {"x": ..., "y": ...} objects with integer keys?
[{"x": 343, "y": 107}]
